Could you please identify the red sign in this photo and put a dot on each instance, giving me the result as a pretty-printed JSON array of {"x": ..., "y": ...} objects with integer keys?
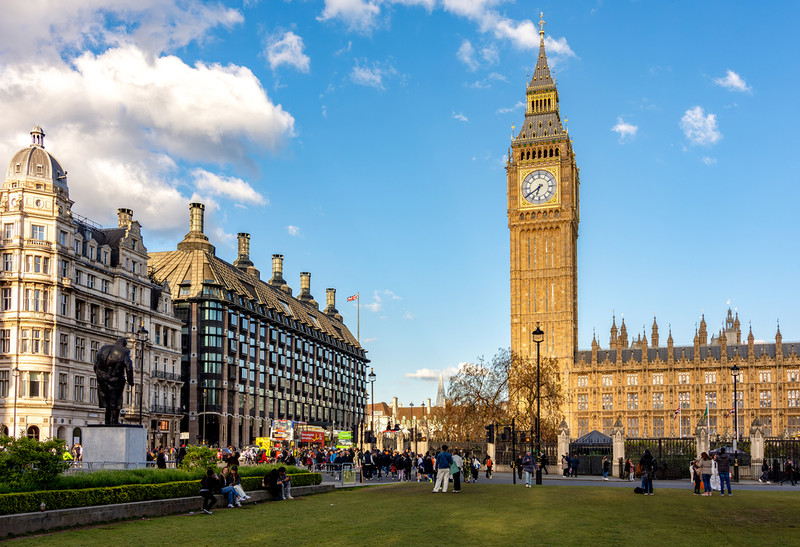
[{"x": 312, "y": 437}]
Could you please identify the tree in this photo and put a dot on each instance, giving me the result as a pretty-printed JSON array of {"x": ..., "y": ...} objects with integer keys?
[
  {"x": 498, "y": 391},
  {"x": 27, "y": 464},
  {"x": 199, "y": 457}
]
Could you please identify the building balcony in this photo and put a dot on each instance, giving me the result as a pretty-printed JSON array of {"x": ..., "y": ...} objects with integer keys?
[
  {"x": 158, "y": 409},
  {"x": 167, "y": 375}
]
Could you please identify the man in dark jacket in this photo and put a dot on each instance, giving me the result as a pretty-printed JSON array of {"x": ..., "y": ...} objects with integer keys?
[
  {"x": 646, "y": 462},
  {"x": 724, "y": 470}
]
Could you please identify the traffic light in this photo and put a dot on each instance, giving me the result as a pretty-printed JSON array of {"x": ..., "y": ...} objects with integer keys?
[
  {"x": 490, "y": 433},
  {"x": 506, "y": 435}
]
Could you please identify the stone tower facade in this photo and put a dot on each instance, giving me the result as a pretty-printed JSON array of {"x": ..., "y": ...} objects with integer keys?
[{"x": 543, "y": 216}]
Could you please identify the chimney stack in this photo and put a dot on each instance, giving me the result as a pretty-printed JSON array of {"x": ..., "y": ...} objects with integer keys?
[
  {"x": 277, "y": 274},
  {"x": 243, "y": 261},
  {"x": 124, "y": 217},
  {"x": 196, "y": 240},
  {"x": 330, "y": 309},
  {"x": 305, "y": 290}
]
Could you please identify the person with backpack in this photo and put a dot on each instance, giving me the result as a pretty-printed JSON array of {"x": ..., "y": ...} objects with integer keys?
[
  {"x": 476, "y": 467},
  {"x": 648, "y": 468}
]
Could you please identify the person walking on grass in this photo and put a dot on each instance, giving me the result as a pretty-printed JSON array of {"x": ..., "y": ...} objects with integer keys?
[
  {"x": 529, "y": 466},
  {"x": 443, "y": 461},
  {"x": 696, "y": 475}
]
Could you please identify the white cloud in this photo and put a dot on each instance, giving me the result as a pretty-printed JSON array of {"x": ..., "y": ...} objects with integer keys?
[
  {"x": 432, "y": 375},
  {"x": 733, "y": 81},
  {"x": 514, "y": 108},
  {"x": 466, "y": 54},
  {"x": 408, "y": 315},
  {"x": 460, "y": 117},
  {"x": 358, "y": 15},
  {"x": 625, "y": 130},
  {"x": 293, "y": 230},
  {"x": 230, "y": 187},
  {"x": 287, "y": 50},
  {"x": 125, "y": 121},
  {"x": 45, "y": 30},
  {"x": 699, "y": 127},
  {"x": 709, "y": 161},
  {"x": 486, "y": 83},
  {"x": 378, "y": 299},
  {"x": 372, "y": 76}
]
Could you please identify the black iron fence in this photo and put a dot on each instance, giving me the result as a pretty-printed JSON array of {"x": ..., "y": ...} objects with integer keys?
[
  {"x": 673, "y": 455},
  {"x": 503, "y": 452}
]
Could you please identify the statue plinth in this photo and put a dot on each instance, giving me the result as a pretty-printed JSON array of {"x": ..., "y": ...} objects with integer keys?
[{"x": 115, "y": 446}]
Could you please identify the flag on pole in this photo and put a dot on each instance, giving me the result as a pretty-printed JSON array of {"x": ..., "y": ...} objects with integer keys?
[
  {"x": 677, "y": 412},
  {"x": 705, "y": 414},
  {"x": 351, "y": 298},
  {"x": 731, "y": 411}
]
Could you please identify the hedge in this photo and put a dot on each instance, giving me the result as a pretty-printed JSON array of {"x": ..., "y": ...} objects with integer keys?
[{"x": 28, "y": 502}]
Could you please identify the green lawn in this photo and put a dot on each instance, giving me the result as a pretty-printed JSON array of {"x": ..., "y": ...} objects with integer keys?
[{"x": 481, "y": 514}]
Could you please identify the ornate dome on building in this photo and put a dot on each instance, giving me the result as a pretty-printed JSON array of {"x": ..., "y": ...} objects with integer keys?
[{"x": 34, "y": 163}]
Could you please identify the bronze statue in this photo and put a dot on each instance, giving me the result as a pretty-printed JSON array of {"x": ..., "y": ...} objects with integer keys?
[{"x": 112, "y": 365}]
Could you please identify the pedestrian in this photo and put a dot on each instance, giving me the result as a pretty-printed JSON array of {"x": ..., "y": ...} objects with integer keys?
[
  {"x": 518, "y": 466},
  {"x": 647, "y": 472},
  {"x": 455, "y": 471},
  {"x": 723, "y": 460},
  {"x": 529, "y": 466},
  {"x": 428, "y": 466},
  {"x": 574, "y": 462},
  {"x": 706, "y": 468},
  {"x": 161, "y": 460},
  {"x": 565, "y": 466},
  {"x": 606, "y": 468},
  {"x": 476, "y": 467},
  {"x": 489, "y": 465},
  {"x": 443, "y": 461},
  {"x": 543, "y": 462},
  {"x": 695, "y": 470},
  {"x": 788, "y": 472},
  {"x": 630, "y": 469},
  {"x": 765, "y": 469}
]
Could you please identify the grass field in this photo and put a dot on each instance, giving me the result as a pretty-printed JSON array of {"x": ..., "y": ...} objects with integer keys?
[{"x": 484, "y": 514}]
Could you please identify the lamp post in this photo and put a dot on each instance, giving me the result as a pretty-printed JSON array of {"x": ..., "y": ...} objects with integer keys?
[
  {"x": 413, "y": 427},
  {"x": 735, "y": 371},
  {"x": 205, "y": 399},
  {"x": 538, "y": 336},
  {"x": 15, "y": 370},
  {"x": 371, "y": 377},
  {"x": 141, "y": 337}
]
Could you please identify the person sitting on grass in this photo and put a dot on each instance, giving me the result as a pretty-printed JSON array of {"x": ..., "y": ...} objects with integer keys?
[{"x": 207, "y": 486}]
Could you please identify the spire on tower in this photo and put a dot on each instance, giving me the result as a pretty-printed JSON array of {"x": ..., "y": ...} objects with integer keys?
[{"x": 440, "y": 396}]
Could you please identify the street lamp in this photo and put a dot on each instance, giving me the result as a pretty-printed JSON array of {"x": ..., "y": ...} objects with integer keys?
[
  {"x": 371, "y": 377},
  {"x": 141, "y": 337},
  {"x": 15, "y": 370},
  {"x": 735, "y": 371},
  {"x": 205, "y": 399},
  {"x": 413, "y": 427},
  {"x": 538, "y": 336}
]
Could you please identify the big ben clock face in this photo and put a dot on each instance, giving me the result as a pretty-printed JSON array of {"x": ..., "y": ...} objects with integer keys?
[{"x": 539, "y": 187}]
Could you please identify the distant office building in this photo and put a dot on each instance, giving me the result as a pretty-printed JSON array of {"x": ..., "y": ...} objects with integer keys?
[
  {"x": 251, "y": 351},
  {"x": 68, "y": 287}
]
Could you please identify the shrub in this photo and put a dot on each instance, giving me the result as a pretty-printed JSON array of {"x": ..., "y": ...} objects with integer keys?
[
  {"x": 29, "y": 464},
  {"x": 199, "y": 457},
  {"x": 27, "y": 502}
]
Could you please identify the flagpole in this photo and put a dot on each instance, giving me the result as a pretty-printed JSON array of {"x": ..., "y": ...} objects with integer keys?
[{"x": 358, "y": 318}]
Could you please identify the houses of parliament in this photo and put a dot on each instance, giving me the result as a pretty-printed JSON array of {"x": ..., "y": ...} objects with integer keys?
[{"x": 655, "y": 389}]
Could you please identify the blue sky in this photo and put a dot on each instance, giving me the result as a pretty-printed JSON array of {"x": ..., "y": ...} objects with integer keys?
[{"x": 365, "y": 141}]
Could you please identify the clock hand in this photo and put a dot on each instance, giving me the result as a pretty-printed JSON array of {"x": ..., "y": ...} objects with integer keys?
[{"x": 536, "y": 191}]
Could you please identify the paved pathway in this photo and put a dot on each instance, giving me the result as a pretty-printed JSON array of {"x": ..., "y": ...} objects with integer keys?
[{"x": 591, "y": 480}]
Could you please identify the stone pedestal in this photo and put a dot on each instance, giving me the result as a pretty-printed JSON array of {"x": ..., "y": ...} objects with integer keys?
[{"x": 114, "y": 446}]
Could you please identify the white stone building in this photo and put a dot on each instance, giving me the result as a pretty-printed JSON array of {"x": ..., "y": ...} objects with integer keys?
[{"x": 68, "y": 287}]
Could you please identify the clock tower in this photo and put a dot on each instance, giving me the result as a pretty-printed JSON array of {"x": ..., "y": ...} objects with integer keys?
[{"x": 543, "y": 216}]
